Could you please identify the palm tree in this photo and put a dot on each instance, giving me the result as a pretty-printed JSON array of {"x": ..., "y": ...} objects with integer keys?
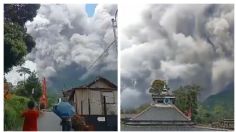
[{"x": 24, "y": 70}]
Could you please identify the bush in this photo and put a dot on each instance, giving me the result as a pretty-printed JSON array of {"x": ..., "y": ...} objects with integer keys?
[{"x": 12, "y": 112}]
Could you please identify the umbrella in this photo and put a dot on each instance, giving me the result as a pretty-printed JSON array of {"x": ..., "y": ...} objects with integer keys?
[{"x": 64, "y": 110}]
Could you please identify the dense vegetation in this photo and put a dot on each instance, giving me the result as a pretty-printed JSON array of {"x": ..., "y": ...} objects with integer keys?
[
  {"x": 17, "y": 42},
  {"x": 21, "y": 94},
  {"x": 12, "y": 112},
  {"x": 31, "y": 84},
  {"x": 186, "y": 99},
  {"x": 217, "y": 107}
]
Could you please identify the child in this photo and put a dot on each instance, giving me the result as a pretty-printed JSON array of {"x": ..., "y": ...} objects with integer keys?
[{"x": 30, "y": 117}]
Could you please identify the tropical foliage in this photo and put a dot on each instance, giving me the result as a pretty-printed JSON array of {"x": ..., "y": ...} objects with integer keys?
[
  {"x": 186, "y": 99},
  {"x": 30, "y": 88},
  {"x": 17, "y": 42},
  {"x": 157, "y": 87},
  {"x": 12, "y": 112}
]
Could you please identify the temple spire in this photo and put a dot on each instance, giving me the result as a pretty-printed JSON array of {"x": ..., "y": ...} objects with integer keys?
[{"x": 160, "y": 93}]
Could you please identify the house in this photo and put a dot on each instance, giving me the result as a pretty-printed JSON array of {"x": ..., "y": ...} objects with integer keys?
[
  {"x": 96, "y": 98},
  {"x": 66, "y": 94}
]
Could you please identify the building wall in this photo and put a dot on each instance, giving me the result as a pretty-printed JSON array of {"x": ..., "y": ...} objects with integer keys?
[
  {"x": 111, "y": 109},
  {"x": 95, "y": 97},
  {"x": 96, "y": 102},
  {"x": 111, "y": 100},
  {"x": 81, "y": 101}
]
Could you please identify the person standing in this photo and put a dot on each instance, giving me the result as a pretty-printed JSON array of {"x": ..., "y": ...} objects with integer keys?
[
  {"x": 63, "y": 110},
  {"x": 30, "y": 117},
  {"x": 66, "y": 124}
]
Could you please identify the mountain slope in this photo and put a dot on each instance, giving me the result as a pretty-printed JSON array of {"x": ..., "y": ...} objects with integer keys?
[{"x": 223, "y": 100}]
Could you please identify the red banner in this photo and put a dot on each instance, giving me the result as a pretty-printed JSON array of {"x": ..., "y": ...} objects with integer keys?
[{"x": 43, "y": 98}]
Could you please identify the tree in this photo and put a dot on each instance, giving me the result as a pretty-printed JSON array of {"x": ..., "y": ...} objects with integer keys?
[
  {"x": 157, "y": 87},
  {"x": 186, "y": 98},
  {"x": 17, "y": 43},
  {"x": 204, "y": 116},
  {"x": 51, "y": 100},
  {"x": 14, "y": 46},
  {"x": 20, "y": 13},
  {"x": 218, "y": 112},
  {"x": 31, "y": 83},
  {"x": 24, "y": 71}
]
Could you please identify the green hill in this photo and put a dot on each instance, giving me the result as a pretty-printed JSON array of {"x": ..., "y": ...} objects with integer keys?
[
  {"x": 222, "y": 102},
  {"x": 224, "y": 98}
]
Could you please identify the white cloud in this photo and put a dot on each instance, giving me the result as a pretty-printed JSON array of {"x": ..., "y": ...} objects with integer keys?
[
  {"x": 129, "y": 96},
  {"x": 68, "y": 42},
  {"x": 13, "y": 76},
  {"x": 183, "y": 44}
]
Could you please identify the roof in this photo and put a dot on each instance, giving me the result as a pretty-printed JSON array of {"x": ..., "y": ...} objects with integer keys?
[
  {"x": 159, "y": 115},
  {"x": 67, "y": 93},
  {"x": 161, "y": 112},
  {"x": 99, "y": 78},
  {"x": 88, "y": 86},
  {"x": 127, "y": 115}
]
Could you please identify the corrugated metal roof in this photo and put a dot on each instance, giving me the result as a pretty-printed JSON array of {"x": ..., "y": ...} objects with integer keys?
[
  {"x": 99, "y": 78},
  {"x": 161, "y": 113}
]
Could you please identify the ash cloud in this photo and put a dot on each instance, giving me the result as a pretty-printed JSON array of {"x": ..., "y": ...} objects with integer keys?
[
  {"x": 68, "y": 41},
  {"x": 184, "y": 44}
]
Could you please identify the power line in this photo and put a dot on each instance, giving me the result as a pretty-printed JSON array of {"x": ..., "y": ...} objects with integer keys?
[
  {"x": 102, "y": 55},
  {"x": 114, "y": 26},
  {"x": 105, "y": 52}
]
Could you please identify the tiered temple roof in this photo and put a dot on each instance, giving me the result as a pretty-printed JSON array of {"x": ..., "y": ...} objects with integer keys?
[
  {"x": 161, "y": 111},
  {"x": 163, "y": 115}
]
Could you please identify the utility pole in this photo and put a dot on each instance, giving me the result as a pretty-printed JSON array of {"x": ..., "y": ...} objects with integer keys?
[{"x": 114, "y": 27}]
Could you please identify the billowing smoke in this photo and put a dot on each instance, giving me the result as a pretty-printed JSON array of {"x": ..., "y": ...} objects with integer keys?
[
  {"x": 183, "y": 44},
  {"x": 68, "y": 42}
]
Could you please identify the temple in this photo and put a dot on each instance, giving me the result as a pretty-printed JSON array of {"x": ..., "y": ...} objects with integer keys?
[
  {"x": 161, "y": 115},
  {"x": 161, "y": 111}
]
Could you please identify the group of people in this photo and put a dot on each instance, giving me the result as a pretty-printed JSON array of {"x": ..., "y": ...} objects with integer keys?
[{"x": 31, "y": 115}]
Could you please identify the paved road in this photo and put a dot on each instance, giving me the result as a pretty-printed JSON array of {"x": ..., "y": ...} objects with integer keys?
[{"x": 49, "y": 121}]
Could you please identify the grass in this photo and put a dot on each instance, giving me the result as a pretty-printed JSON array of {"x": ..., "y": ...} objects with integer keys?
[{"x": 12, "y": 112}]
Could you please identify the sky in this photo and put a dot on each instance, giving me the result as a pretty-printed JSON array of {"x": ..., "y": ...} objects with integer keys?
[
  {"x": 68, "y": 41},
  {"x": 183, "y": 44},
  {"x": 90, "y": 8}
]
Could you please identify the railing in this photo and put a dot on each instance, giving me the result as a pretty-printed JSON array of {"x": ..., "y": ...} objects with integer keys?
[
  {"x": 155, "y": 122},
  {"x": 226, "y": 124}
]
